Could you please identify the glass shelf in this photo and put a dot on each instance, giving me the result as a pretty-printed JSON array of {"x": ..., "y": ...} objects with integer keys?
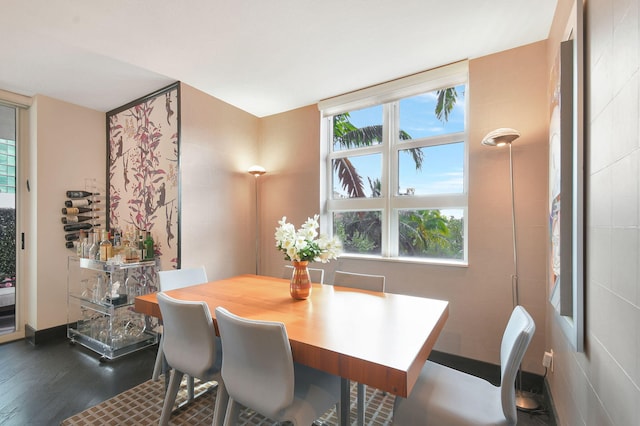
[{"x": 100, "y": 298}]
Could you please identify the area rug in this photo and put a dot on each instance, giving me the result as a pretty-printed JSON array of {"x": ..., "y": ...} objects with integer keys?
[{"x": 142, "y": 405}]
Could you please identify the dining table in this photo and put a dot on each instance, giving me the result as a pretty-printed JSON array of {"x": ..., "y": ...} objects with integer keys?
[{"x": 374, "y": 338}]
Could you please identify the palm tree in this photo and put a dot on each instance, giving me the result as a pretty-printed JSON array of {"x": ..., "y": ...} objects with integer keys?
[
  {"x": 447, "y": 99},
  {"x": 348, "y": 136},
  {"x": 424, "y": 232}
]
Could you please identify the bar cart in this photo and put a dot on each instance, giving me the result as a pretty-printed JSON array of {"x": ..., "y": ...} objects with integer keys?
[{"x": 100, "y": 305}]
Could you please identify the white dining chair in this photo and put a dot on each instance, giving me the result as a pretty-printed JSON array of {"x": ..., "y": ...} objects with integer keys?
[
  {"x": 259, "y": 373},
  {"x": 190, "y": 347},
  {"x": 171, "y": 280},
  {"x": 315, "y": 274},
  {"x": 444, "y": 396},
  {"x": 362, "y": 282}
]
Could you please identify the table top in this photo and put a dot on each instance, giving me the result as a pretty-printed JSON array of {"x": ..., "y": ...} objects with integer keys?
[{"x": 379, "y": 339}]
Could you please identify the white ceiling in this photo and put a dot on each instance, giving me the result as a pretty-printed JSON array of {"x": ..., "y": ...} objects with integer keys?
[{"x": 263, "y": 56}]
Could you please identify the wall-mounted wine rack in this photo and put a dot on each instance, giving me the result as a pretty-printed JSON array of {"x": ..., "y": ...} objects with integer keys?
[{"x": 83, "y": 212}]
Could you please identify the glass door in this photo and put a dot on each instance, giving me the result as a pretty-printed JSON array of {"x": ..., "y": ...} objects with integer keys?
[{"x": 7, "y": 219}]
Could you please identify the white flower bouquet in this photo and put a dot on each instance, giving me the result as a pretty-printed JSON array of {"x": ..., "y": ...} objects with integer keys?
[{"x": 305, "y": 244}]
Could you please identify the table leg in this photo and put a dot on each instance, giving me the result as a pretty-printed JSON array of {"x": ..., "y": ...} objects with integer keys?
[
  {"x": 345, "y": 402},
  {"x": 361, "y": 395}
]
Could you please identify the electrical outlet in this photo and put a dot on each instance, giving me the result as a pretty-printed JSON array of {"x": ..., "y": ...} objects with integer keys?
[{"x": 547, "y": 359}]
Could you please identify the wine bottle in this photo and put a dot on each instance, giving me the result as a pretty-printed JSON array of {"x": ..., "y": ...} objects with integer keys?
[
  {"x": 78, "y": 210},
  {"x": 94, "y": 249},
  {"x": 78, "y": 245},
  {"x": 143, "y": 255},
  {"x": 77, "y": 219},
  {"x": 80, "y": 194},
  {"x": 82, "y": 242},
  {"x": 72, "y": 236},
  {"x": 86, "y": 244},
  {"x": 80, "y": 203},
  {"x": 78, "y": 226},
  {"x": 68, "y": 244},
  {"x": 148, "y": 247},
  {"x": 106, "y": 248}
]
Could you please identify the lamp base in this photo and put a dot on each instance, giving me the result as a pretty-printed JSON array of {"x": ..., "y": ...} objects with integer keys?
[{"x": 525, "y": 401}]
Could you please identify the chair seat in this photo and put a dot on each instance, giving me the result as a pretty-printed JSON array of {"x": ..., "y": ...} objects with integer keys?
[{"x": 444, "y": 396}]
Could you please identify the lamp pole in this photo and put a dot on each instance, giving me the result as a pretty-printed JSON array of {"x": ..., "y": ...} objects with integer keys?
[
  {"x": 501, "y": 137},
  {"x": 514, "y": 279},
  {"x": 256, "y": 171}
]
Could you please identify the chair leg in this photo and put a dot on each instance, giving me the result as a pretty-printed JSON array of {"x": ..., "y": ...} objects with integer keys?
[
  {"x": 170, "y": 397},
  {"x": 190, "y": 386},
  {"x": 157, "y": 368},
  {"x": 233, "y": 410},
  {"x": 360, "y": 396},
  {"x": 222, "y": 400}
]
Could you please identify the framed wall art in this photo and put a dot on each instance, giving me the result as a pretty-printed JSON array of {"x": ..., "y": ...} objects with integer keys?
[
  {"x": 566, "y": 185},
  {"x": 143, "y": 146}
]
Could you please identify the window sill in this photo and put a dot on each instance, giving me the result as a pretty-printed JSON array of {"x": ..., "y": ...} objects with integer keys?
[{"x": 412, "y": 260}]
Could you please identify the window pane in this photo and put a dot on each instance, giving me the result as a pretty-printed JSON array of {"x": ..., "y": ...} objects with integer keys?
[
  {"x": 357, "y": 176},
  {"x": 431, "y": 233},
  {"x": 431, "y": 170},
  {"x": 4, "y": 148},
  {"x": 11, "y": 150},
  {"x": 418, "y": 114},
  {"x": 358, "y": 128},
  {"x": 360, "y": 232},
  {"x": 11, "y": 160}
]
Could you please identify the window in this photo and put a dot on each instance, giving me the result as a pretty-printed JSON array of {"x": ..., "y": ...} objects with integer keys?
[
  {"x": 395, "y": 180},
  {"x": 7, "y": 166}
]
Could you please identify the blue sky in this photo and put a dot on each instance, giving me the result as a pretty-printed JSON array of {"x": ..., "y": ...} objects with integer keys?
[{"x": 442, "y": 166}]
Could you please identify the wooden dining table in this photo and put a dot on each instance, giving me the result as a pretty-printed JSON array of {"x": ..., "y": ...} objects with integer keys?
[{"x": 378, "y": 339}]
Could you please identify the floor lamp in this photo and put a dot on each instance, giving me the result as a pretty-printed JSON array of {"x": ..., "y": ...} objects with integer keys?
[
  {"x": 257, "y": 171},
  {"x": 502, "y": 137}
]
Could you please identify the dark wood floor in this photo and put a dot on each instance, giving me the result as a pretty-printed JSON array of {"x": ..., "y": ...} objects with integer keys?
[{"x": 45, "y": 384}]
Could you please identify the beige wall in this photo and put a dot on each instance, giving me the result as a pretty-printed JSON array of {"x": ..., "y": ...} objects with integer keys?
[
  {"x": 289, "y": 150},
  {"x": 505, "y": 90},
  {"x": 67, "y": 145},
  {"x": 602, "y": 385},
  {"x": 218, "y": 144}
]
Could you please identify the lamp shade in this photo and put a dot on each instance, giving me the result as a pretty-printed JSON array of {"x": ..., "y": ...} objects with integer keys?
[
  {"x": 256, "y": 170},
  {"x": 500, "y": 137}
]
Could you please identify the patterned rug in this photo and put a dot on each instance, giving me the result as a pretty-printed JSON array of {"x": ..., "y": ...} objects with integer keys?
[{"x": 142, "y": 405}]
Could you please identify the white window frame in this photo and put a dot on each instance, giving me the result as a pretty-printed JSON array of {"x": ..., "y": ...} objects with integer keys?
[{"x": 388, "y": 94}]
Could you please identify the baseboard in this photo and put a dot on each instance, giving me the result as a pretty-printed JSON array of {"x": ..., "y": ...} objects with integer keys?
[
  {"x": 37, "y": 337},
  {"x": 550, "y": 404}
]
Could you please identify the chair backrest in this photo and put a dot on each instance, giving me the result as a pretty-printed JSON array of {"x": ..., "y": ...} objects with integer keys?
[
  {"x": 178, "y": 278},
  {"x": 189, "y": 341},
  {"x": 315, "y": 274},
  {"x": 515, "y": 341},
  {"x": 256, "y": 349},
  {"x": 361, "y": 281}
]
